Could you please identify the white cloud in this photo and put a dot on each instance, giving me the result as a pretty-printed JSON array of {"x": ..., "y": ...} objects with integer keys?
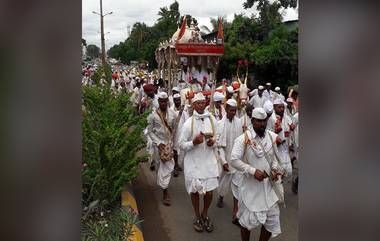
[{"x": 128, "y": 12}]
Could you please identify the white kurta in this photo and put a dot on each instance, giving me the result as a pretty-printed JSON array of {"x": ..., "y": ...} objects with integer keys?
[
  {"x": 258, "y": 101},
  {"x": 257, "y": 200},
  {"x": 215, "y": 112},
  {"x": 284, "y": 147},
  {"x": 200, "y": 162},
  {"x": 268, "y": 95},
  {"x": 227, "y": 132},
  {"x": 279, "y": 96},
  {"x": 159, "y": 134}
]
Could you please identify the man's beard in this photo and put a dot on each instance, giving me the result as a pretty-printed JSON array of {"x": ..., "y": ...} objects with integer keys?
[{"x": 260, "y": 131}]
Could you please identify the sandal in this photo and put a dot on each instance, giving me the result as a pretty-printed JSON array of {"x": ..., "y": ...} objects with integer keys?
[
  {"x": 207, "y": 224},
  {"x": 166, "y": 201},
  {"x": 198, "y": 225}
]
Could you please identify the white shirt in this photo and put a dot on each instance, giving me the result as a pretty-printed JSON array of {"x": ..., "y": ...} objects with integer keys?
[
  {"x": 257, "y": 101},
  {"x": 227, "y": 132},
  {"x": 199, "y": 160},
  {"x": 285, "y": 122},
  {"x": 156, "y": 128},
  {"x": 278, "y": 95},
  {"x": 257, "y": 196},
  {"x": 268, "y": 94},
  {"x": 199, "y": 75}
]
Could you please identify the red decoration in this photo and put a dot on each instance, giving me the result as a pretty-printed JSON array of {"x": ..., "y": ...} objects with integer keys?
[
  {"x": 240, "y": 62},
  {"x": 245, "y": 62},
  {"x": 235, "y": 85},
  {"x": 206, "y": 92},
  {"x": 199, "y": 49}
]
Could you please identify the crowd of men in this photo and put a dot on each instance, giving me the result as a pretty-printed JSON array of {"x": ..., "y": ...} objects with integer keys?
[{"x": 221, "y": 143}]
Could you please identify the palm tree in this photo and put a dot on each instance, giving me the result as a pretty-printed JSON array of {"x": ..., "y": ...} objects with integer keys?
[{"x": 214, "y": 25}]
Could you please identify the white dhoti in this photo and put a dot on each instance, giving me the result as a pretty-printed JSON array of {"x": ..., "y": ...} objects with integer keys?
[
  {"x": 224, "y": 183},
  {"x": 236, "y": 181},
  {"x": 287, "y": 165},
  {"x": 164, "y": 173},
  {"x": 201, "y": 186},
  {"x": 181, "y": 156},
  {"x": 270, "y": 219}
]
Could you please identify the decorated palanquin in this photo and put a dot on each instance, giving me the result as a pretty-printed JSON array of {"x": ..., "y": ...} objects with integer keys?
[{"x": 190, "y": 58}]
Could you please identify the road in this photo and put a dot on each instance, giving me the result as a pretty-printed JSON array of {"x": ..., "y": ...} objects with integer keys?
[{"x": 174, "y": 223}]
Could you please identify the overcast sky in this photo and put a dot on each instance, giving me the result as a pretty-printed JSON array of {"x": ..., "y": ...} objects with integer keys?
[{"x": 128, "y": 12}]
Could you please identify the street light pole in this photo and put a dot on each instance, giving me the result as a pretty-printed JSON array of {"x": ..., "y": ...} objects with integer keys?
[
  {"x": 102, "y": 34},
  {"x": 103, "y": 54}
]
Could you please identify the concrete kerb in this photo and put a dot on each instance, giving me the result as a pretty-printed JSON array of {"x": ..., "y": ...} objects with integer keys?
[{"x": 128, "y": 201}]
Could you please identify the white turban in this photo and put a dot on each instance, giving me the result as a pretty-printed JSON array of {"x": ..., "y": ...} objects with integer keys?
[
  {"x": 268, "y": 107},
  {"x": 277, "y": 88},
  {"x": 259, "y": 113},
  {"x": 176, "y": 89},
  {"x": 198, "y": 97},
  {"x": 218, "y": 96},
  {"x": 162, "y": 95},
  {"x": 261, "y": 87},
  {"x": 278, "y": 101},
  {"x": 176, "y": 96},
  {"x": 231, "y": 102},
  {"x": 230, "y": 89},
  {"x": 269, "y": 83}
]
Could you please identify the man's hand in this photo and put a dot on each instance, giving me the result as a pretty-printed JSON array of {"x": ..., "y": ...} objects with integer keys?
[
  {"x": 226, "y": 168},
  {"x": 278, "y": 140},
  {"x": 292, "y": 127},
  {"x": 198, "y": 139},
  {"x": 210, "y": 142},
  {"x": 161, "y": 146},
  {"x": 259, "y": 175},
  {"x": 275, "y": 174}
]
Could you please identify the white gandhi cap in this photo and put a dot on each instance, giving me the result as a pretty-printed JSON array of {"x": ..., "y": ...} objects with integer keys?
[{"x": 259, "y": 113}]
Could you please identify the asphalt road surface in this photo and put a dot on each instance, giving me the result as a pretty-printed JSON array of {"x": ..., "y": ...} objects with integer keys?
[{"x": 175, "y": 223}]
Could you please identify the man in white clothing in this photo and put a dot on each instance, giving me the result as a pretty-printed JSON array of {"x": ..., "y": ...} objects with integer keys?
[
  {"x": 253, "y": 155},
  {"x": 259, "y": 99},
  {"x": 290, "y": 110},
  {"x": 268, "y": 107},
  {"x": 175, "y": 90},
  {"x": 217, "y": 110},
  {"x": 229, "y": 128},
  {"x": 178, "y": 110},
  {"x": 200, "y": 164},
  {"x": 277, "y": 94},
  {"x": 160, "y": 128},
  {"x": 268, "y": 93},
  {"x": 281, "y": 124}
]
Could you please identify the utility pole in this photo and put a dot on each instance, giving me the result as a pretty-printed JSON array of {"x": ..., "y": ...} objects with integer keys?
[{"x": 103, "y": 54}]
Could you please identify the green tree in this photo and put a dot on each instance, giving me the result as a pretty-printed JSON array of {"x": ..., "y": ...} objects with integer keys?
[
  {"x": 269, "y": 13},
  {"x": 93, "y": 51}
]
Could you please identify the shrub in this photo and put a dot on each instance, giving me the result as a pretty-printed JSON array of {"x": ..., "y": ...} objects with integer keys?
[{"x": 112, "y": 136}]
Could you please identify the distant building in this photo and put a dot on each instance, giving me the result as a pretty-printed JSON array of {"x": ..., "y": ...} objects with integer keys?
[{"x": 291, "y": 24}]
